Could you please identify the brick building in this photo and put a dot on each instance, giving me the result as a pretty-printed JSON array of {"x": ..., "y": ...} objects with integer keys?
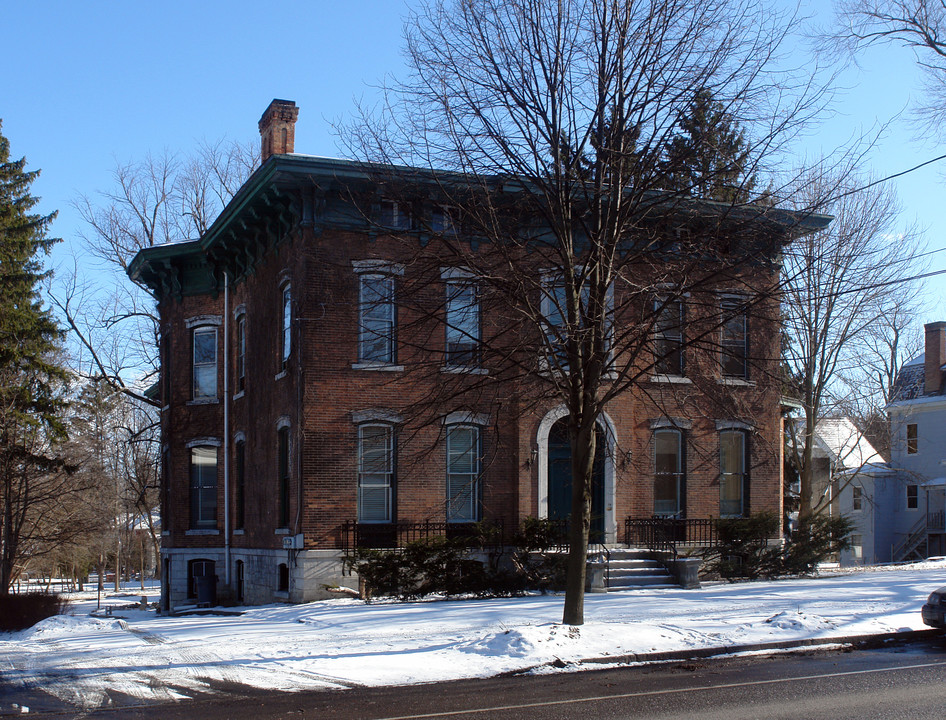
[{"x": 304, "y": 407}]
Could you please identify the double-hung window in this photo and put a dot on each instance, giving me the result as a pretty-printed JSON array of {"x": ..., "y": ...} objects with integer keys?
[
  {"x": 857, "y": 498},
  {"x": 442, "y": 220},
  {"x": 913, "y": 497},
  {"x": 913, "y": 439},
  {"x": 376, "y": 326},
  {"x": 203, "y": 482},
  {"x": 239, "y": 519},
  {"x": 591, "y": 328},
  {"x": 668, "y": 472},
  {"x": 241, "y": 352},
  {"x": 205, "y": 363},
  {"x": 285, "y": 335},
  {"x": 668, "y": 337},
  {"x": 732, "y": 473},
  {"x": 463, "y": 473},
  {"x": 396, "y": 215},
  {"x": 735, "y": 339},
  {"x": 463, "y": 324},
  {"x": 282, "y": 469},
  {"x": 375, "y": 473}
]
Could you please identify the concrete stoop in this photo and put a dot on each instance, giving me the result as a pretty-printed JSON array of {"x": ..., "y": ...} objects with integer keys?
[{"x": 638, "y": 568}]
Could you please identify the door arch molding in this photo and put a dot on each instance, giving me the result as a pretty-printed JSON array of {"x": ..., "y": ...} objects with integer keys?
[{"x": 610, "y": 438}]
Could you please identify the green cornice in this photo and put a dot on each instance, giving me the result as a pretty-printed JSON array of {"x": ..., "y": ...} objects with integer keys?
[{"x": 292, "y": 191}]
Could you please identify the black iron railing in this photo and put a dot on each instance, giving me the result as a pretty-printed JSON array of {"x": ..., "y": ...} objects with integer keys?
[
  {"x": 667, "y": 534},
  {"x": 397, "y": 535}
]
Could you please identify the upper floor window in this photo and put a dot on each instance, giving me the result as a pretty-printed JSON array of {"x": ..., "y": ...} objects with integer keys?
[
  {"x": 282, "y": 453},
  {"x": 443, "y": 220},
  {"x": 735, "y": 339},
  {"x": 857, "y": 498},
  {"x": 203, "y": 485},
  {"x": 913, "y": 439},
  {"x": 396, "y": 215},
  {"x": 241, "y": 352},
  {"x": 463, "y": 473},
  {"x": 463, "y": 324},
  {"x": 376, "y": 319},
  {"x": 165, "y": 370},
  {"x": 668, "y": 472},
  {"x": 732, "y": 473},
  {"x": 668, "y": 337},
  {"x": 913, "y": 497},
  {"x": 590, "y": 324},
  {"x": 285, "y": 335},
  {"x": 205, "y": 362},
  {"x": 375, "y": 473}
]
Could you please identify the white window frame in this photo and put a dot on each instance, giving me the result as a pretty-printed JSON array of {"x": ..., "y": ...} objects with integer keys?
[
  {"x": 463, "y": 325},
  {"x": 663, "y": 337},
  {"x": 727, "y": 306},
  {"x": 206, "y": 369},
  {"x": 285, "y": 338},
  {"x": 915, "y": 496},
  {"x": 378, "y": 481},
  {"x": 203, "y": 494},
  {"x": 463, "y": 486},
  {"x": 913, "y": 438},
  {"x": 857, "y": 498},
  {"x": 729, "y": 478},
  {"x": 677, "y": 475}
]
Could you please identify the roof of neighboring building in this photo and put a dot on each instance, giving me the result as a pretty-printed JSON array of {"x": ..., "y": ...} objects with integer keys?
[{"x": 844, "y": 445}]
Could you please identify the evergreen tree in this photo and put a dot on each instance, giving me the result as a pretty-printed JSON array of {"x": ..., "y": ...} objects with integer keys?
[
  {"x": 31, "y": 378},
  {"x": 708, "y": 157}
]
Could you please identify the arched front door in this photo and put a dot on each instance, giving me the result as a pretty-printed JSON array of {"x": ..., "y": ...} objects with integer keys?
[{"x": 560, "y": 479}]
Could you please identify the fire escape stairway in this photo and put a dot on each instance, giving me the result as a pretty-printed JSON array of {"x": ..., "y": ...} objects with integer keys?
[{"x": 909, "y": 549}]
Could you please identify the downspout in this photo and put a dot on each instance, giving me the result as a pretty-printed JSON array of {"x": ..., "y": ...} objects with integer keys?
[{"x": 226, "y": 424}]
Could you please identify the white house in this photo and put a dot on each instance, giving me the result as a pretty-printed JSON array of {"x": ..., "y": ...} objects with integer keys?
[{"x": 899, "y": 510}]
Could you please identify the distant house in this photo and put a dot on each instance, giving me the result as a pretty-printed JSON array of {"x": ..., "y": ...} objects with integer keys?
[
  {"x": 914, "y": 508},
  {"x": 840, "y": 450},
  {"x": 290, "y": 375}
]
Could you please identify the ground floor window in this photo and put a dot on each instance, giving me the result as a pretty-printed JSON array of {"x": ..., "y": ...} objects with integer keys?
[
  {"x": 732, "y": 473},
  {"x": 375, "y": 473},
  {"x": 463, "y": 472},
  {"x": 668, "y": 473}
]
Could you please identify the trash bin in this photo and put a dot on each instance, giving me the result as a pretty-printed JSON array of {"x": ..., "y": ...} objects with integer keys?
[{"x": 206, "y": 587}]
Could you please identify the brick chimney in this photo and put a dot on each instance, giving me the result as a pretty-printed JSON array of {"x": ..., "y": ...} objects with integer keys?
[
  {"x": 935, "y": 357},
  {"x": 277, "y": 128}
]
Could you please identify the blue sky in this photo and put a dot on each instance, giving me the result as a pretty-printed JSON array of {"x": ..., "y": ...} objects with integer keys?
[{"x": 89, "y": 85}]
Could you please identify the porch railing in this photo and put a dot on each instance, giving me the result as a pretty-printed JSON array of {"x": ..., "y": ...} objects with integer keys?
[
  {"x": 397, "y": 535},
  {"x": 666, "y": 534}
]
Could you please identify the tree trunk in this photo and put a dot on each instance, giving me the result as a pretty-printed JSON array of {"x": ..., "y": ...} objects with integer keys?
[{"x": 582, "y": 441}]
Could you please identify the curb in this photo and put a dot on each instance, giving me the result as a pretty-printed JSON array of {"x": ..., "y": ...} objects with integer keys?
[{"x": 869, "y": 640}]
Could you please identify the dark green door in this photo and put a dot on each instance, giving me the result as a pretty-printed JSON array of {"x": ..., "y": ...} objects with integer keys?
[{"x": 560, "y": 479}]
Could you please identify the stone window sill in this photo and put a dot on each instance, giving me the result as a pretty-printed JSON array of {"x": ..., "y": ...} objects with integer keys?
[
  {"x": 204, "y": 401},
  {"x": 671, "y": 379},
  {"x": 282, "y": 531},
  {"x": 380, "y": 367},
  {"x": 463, "y": 370},
  {"x": 735, "y": 382},
  {"x": 202, "y": 532}
]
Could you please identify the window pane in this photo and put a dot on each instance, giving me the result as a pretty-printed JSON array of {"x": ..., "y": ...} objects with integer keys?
[
  {"x": 241, "y": 353},
  {"x": 735, "y": 338},
  {"x": 669, "y": 338},
  {"x": 375, "y": 472},
  {"x": 377, "y": 318},
  {"x": 463, "y": 324},
  {"x": 732, "y": 449},
  {"x": 205, "y": 363},
  {"x": 203, "y": 487},
  {"x": 463, "y": 470},
  {"x": 667, "y": 472},
  {"x": 286, "y": 340}
]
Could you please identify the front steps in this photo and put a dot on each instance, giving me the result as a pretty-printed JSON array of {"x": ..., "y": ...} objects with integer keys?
[{"x": 631, "y": 569}]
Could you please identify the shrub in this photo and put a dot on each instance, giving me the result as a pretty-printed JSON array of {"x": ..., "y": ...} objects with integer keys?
[
  {"x": 18, "y": 612},
  {"x": 744, "y": 550},
  {"x": 445, "y": 565}
]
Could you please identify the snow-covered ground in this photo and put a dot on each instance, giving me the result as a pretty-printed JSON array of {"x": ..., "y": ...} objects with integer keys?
[{"x": 347, "y": 643}]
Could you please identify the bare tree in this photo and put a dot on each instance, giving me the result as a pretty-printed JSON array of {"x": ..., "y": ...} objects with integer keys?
[
  {"x": 160, "y": 200},
  {"x": 843, "y": 287},
  {"x": 918, "y": 25},
  {"x": 565, "y": 111}
]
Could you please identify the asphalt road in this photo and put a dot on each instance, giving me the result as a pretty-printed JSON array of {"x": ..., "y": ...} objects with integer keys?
[{"x": 897, "y": 681}]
